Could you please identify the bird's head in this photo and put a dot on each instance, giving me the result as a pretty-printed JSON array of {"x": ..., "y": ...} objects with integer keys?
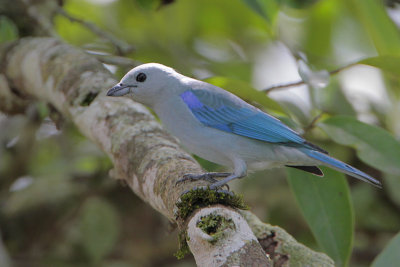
[{"x": 146, "y": 83}]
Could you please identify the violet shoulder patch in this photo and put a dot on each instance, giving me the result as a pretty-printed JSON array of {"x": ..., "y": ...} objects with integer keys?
[
  {"x": 191, "y": 100},
  {"x": 202, "y": 112}
]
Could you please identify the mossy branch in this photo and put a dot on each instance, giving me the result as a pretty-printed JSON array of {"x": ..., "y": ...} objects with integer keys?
[{"x": 144, "y": 155}]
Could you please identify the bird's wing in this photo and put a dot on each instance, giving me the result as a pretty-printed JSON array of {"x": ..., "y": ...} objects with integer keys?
[{"x": 226, "y": 112}]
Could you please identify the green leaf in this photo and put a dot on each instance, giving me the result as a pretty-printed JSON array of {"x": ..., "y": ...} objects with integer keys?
[
  {"x": 326, "y": 206},
  {"x": 148, "y": 4},
  {"x": 370, "y": 208},
  {"x": 332, "y": 100},
  {"x": 319, "y": 31},
  {"x": 40, "y": 192},
  {"x": 8, "y": 30},
  {"x": 374, "y": 145},
  {"x": 379, "y": 26},
  {"x": 393, "y": 187},
  {"x": 390, "y": 256},
  {"x": 390, "y": 64},
  {"x": 99, "y": 228},
  {"x": 265, "y": 8},
  {"x": 246, "y": 92},
  {"x": 299, "y": 4}
]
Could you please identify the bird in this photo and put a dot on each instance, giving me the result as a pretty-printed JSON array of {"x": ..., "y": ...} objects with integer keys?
[{"x": 218, "y": 126}]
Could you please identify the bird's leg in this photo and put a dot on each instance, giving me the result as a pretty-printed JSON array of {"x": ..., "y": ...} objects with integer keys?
[
  {"x": 240, "y": 171},
  {"x": 208, "y": 176},
  {"x": 224, "y": 182}
]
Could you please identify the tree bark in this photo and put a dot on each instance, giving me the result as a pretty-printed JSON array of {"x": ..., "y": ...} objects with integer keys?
[
  {"x": 147, "y": 158},
  {"x": 4, "y": 257}
]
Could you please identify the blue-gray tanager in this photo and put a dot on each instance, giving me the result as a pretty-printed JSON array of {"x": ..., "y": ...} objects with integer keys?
[{"x": 220, "y": 127}]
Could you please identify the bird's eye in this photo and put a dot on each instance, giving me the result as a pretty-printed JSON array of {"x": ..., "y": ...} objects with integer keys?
[
  {"x": 121, "y": 84},
  {"x": 141, "y": 77}
]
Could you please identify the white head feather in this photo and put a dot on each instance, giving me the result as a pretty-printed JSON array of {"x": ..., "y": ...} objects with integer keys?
[{"x": 149, "y": 83}]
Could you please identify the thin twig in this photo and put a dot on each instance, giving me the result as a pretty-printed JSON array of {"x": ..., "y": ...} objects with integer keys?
[
  {"x": 313, "y": 122},
  {"x": 292, "y": 84},
  {"x": 116, "y": 60},
  {"x": 122, "y": 47}
]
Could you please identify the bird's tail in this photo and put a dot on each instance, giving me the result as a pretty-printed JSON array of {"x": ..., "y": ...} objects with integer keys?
[{"x": 342, "y": 167}]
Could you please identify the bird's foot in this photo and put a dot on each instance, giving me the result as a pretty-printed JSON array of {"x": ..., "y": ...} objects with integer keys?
[{"x": 208, "y": 176}]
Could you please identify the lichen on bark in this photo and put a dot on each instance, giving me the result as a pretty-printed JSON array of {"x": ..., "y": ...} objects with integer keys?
[{"x": 144, "y": 155}]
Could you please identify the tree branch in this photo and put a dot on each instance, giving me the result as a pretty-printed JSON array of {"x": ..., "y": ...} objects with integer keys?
[
  {"x": 121, "y": 46},
  {"x": 116, "y": 60},
  {"x": 4, "y": 257},
  {"x": 298, "y": 83},
  {"x": 31, "y": 17},
  {"x": 144, "y": 155}
]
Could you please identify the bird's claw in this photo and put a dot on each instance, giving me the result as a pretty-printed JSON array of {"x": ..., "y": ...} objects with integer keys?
[
  {"x": 195, "y": 177},
  {"x": 209, "y": 177}
]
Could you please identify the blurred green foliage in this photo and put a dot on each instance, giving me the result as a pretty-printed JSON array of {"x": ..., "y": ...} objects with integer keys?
[
  {"x": 374, "y": 145},
  {"x": 327, "y": 208},
  {"x": 8, "y": 31},
  {"x": 59, "y": 207},
  {"x": 390, "y": 255}
]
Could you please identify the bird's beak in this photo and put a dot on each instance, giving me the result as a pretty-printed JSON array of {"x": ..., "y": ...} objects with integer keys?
[{"x": 119, "y": 90}]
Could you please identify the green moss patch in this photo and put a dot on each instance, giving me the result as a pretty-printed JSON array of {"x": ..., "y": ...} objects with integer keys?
[
  {"x": 215, "y": 225},
  {"x": 212, "y": 225},
  {"x": 183, "y": 246},
  {"x": 199, "y": 198}
]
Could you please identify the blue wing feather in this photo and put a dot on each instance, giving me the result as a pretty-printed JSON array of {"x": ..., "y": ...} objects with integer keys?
[{"x": 225, "y": 112}]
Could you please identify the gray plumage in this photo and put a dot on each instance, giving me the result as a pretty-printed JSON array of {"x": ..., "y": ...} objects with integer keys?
[{"x": 220, "y": 127}]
